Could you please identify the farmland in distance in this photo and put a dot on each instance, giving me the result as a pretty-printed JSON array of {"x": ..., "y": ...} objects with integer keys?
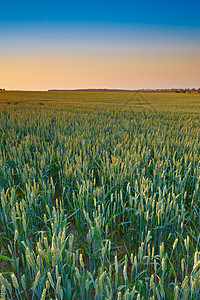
[{"x": 100, "y": 195}]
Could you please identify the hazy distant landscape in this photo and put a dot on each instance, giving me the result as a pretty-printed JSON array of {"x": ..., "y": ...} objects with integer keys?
[{"x": 99, "y": 195}]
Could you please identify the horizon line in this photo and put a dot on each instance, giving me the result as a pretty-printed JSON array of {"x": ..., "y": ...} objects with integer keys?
[{"x": 99, "y": 89}]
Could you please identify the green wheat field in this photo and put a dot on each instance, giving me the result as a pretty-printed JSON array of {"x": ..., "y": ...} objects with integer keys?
[{"x": 100, "y": 195}]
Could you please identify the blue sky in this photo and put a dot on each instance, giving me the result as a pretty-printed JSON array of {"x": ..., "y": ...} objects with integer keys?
[
  {"x": 172, "y": 13},
  {"x": 86, "y": 44}
]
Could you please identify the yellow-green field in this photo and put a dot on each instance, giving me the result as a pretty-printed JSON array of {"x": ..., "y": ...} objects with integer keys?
[
  {"x": 105, "y": 100},
  {"x": 100, "y": 195}
]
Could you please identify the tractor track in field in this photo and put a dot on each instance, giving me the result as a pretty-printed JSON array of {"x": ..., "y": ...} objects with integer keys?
[
  {"x": 136, "y": 98},
  {"x": 141, "y": 100}
]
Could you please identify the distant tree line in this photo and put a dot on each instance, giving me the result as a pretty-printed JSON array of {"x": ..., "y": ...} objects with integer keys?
[
  {"x": 173, "y": 90},
  {"x": 194, "y": 91}
]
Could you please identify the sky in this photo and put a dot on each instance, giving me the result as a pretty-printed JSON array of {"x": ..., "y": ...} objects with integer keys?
[{"x": 99, "y": 44}]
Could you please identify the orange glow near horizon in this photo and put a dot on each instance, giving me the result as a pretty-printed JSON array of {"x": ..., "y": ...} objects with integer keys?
[
  {"x": 131, "y": 59},
  {"x": 99, "y": 71}
]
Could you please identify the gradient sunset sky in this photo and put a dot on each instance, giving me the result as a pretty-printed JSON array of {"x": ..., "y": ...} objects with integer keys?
[{"x": 99, "y": 44}]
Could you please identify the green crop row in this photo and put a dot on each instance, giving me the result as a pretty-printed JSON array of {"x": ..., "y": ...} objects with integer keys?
[{"x": 100, "y": 196}]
